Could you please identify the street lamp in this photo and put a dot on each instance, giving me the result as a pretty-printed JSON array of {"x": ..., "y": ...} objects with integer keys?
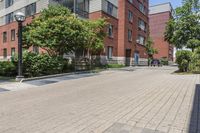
[{"x": 20, "y": 18}]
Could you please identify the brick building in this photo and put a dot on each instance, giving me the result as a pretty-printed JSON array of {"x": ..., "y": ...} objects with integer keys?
[
  {"x": 159, "y": 15},
  {"x": 128, "y": 22}
]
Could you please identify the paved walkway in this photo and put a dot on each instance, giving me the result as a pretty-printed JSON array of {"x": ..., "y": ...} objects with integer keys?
[{"x": 142, "y": 101}]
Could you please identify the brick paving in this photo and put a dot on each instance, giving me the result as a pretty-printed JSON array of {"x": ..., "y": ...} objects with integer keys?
[{"x": 147, "y": 100}]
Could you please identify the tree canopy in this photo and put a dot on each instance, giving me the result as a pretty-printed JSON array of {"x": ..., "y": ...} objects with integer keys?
[
  {"x": 149, "y": 48},
  {"x": 184, "y": 28},
  {"x": 58, "y": 31}
]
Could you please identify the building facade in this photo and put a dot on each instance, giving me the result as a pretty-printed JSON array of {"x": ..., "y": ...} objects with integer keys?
[
  {"x": 127, "y": 25},
  {"x": 159, "y": 15}
]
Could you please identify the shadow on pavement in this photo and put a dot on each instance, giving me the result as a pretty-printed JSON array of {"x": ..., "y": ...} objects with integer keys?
[{"x": 194, "y": 125}]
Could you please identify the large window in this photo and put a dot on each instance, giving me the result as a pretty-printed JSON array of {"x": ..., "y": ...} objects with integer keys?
[
  {"x": 13, "y": 35},
  {"x": 81, "y": 6},
  {"x": 9, "y": 18},
  {"x": 4, "y": 37},
  {"x": 30, "y": 9},
  {"x": 110, "y": 52},
  {"x": 110, "y": 30},
  {"x": 36, "y": 49},
  {"x": 131, "y": 1},
  {"x": 142, "y": 8},
  {"x": 130, "y": 35},
  {"x": 5, "y": 53},
  {"x": 110, "y": 8},
  {"x": 130, "y": 16},
  {"x": 141, "y": 40},
  {"x": 9, "y": 3},
  {"x": 142, "y": 25},
  {"x": 12, "y": 52}
]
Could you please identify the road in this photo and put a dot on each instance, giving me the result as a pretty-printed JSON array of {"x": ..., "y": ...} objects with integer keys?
[{"x": 146, "y": 100}]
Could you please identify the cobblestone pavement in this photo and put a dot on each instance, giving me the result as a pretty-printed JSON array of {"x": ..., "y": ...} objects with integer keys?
[{"x": 147, "y": 100}]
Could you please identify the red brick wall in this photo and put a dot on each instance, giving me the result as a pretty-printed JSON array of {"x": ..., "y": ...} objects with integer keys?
[
  {"x": 157, "y": 24},
  {"x": 12, "y": 44},
  {"x": 108, "y": 41},
  {"x": 124, "y": 25},
  {"x": 121, "y": 25}
]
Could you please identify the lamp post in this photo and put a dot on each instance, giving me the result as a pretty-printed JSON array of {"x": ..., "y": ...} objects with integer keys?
[{"x": 20, "y": 18}]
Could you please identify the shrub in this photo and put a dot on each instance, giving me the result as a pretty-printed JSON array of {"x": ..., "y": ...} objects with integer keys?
[
  {"x": 164, "y": 61},
  {"x": 195, "y": 63},
  {"x": 42, "y": 64},
  {"x": 7, "y": 68},
  {"x": 114, "y": 65},
  {"x": 183, "y": 59}
]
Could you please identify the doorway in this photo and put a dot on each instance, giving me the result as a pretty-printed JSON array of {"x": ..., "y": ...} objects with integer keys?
[
  {"x": 136, "y": 58},
  {"x": 128, "y": 57}
]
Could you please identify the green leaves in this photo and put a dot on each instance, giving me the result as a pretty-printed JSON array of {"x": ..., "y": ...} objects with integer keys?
[
  {"x": 185, "y": 26},
  {"x": 58, "y": 31},
  {"x": 149, "y": 48}
]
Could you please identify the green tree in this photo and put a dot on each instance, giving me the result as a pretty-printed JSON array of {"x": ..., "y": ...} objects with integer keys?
[
  {"x": 185, "y": 26},
  {"x": 56, "y": 30},
  {"x": 94, "y": 36},
  {"x": 150, "y": 49},
  {"x": 183, "y": 59}
]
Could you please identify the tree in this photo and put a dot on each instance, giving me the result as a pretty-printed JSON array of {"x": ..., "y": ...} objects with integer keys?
[
  {"x": 185, "y": 26},
  {"x": 94, "y": 36},
  {"x": 193, "y": 44},
  {"x": 56, "y": 30},
  {"x": 150, "y": 49}
]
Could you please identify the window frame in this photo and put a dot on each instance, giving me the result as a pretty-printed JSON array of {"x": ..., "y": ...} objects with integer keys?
[{"x": 12, "y": 35}]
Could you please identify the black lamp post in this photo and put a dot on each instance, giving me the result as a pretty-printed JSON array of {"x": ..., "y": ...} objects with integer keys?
[{"x": 20, "y": 18}]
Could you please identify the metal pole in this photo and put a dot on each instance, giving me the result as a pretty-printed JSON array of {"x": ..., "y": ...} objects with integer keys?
[{"x": 20, "y": 76}]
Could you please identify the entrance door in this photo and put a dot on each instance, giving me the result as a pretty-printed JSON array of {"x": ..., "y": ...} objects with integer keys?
[
  {"x": 128, "y": 57},
  {"x": 136, "y": 58}
]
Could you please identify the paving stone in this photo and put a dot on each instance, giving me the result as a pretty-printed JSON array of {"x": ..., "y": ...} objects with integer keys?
[
  {"x": 146, "y": 100},
  {"x": 2, "y": 90}
]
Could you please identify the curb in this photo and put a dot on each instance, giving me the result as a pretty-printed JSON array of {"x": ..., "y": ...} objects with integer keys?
[{"x": 55, "y": 75}]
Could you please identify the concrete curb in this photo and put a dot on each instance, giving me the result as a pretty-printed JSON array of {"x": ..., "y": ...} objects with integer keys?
[{"x": 55, "y": 75}]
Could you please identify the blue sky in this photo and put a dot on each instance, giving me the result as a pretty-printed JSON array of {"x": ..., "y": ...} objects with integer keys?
[{"x": 174, "y": 3}]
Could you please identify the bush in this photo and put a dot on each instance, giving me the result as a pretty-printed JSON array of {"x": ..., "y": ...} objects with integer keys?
[
  {"x": 164, "y": 61},
  {"x": 183, "y": 59},
  {"x": 114, "y": 65},
  {"x": 42, "y": 64},
  {"x": 7, "y": 68},
  {"x": 195, "y": 63}
]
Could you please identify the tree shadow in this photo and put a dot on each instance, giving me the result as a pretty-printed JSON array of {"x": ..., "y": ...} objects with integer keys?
[{"x": 194, "y": 125}]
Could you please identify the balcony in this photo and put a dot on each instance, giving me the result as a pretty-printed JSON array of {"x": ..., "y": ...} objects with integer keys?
[{"x": 81, "y": 6}]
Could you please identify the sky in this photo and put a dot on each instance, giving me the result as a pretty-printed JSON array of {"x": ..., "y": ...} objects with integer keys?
[{"x": 175, "y": 3}]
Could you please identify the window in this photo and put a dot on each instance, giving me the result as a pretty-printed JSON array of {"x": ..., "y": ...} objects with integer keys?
[
  {"x": 130, "y": 35},
  {"x": 110, "y": 30},
  {"x": 142, "y": 25},
  {"x": 36, "y": 49},
  {"x": 130, "y": 16},
  {"x": 142, "y": 8},
  {"x": 110, "y": 8},
  {"x": 131, "y": 1},
  {"x": 12, "y": 52},
  {"x": 9, "y": 18},
  {"x": 4, "y": 37},
  {"x": 110, "y": 52},
  {"x": 13, "y": 35},
  {"x": 9, "y": 3},
  {"x": 82, "y": 8},
  {"x": 141, "y": 40},
  {"x": 30, "y": 9},
  {"x": 5, "y": 53}
]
